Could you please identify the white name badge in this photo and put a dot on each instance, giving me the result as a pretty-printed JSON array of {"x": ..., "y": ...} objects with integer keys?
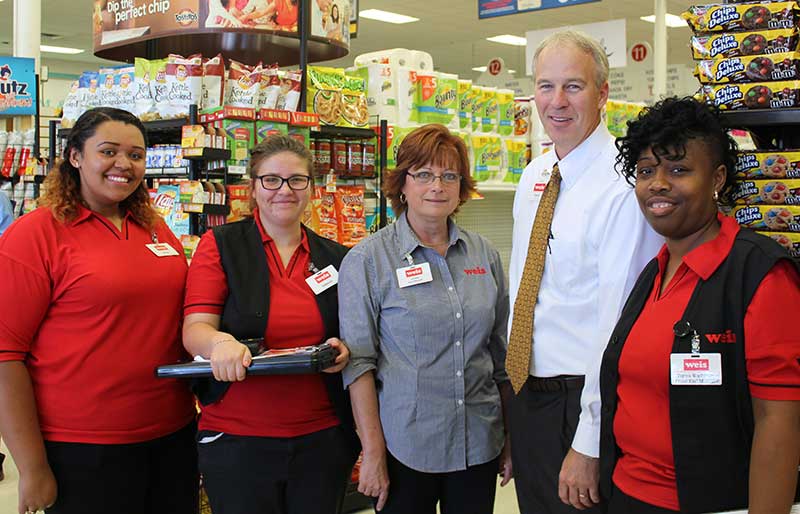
[
  {"x": 322, "y": 280},
  {"x": 162, "y": 249},
  {"x": 540, "y": 184},
  {"x": 413, "y": 275},
  {"x": 703, "y": 369}
]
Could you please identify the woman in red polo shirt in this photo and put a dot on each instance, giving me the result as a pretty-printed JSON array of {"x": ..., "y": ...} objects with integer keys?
[
  {"x": 91, "y": 289},
  {"x": 277, "y": 443},
  {"x": 701, "y": 380}
]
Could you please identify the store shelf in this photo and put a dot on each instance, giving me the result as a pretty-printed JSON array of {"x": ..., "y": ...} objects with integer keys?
[
  {"x": 150, "y": 126},
  {"x": 333, "y": 131},
  {"x": 208, "y": 154},
  {"x": 35, "y": 179},
  {"x": 760, "y": 118},
  {"x": 506, "y": 187},
  {"x": 207, "y": 208}
]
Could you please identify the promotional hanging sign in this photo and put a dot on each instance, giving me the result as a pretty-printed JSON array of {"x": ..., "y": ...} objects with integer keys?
[
  {"x": 116, "y": 22},
  {"x": 494, "y": 8},
  {"x": 17, "y": 86}
]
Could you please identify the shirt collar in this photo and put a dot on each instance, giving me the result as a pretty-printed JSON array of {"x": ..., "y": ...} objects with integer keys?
[
  {"x": 409, "y": 241},
  {"x": 706, "y": 258},
  {"x": 266, "y": 238},
  {"x": 579, "y": 160},
  {"x": 85, "y": 214}
]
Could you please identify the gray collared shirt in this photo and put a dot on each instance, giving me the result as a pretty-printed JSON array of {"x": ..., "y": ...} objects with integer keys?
[{"x": 438, "y": 349}]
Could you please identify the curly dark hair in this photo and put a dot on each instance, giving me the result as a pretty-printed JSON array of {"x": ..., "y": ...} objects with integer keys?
[{"x": 666, "y": 127}]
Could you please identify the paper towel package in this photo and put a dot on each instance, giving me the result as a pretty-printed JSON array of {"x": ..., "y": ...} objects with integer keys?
[
  {"x": 465, "y": 101},
  {"x": 505, "y": 112},
  {"x": 382, "y": 91},
  {"x": 396, "y": 57},
  {"x": 478, "y": 104},
  {"x": 406, "y": 96},
  {"x": 489, "y": 107},
  {"x": 437, "y": 99}
]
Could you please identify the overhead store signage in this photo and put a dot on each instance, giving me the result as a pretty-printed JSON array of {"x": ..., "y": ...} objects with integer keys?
[
  {"x": 117, "y": 22},
  {"x": 611, "y": 34},
  {"x": 17, "y": 86},
  {"x": 493, "y": 8}
]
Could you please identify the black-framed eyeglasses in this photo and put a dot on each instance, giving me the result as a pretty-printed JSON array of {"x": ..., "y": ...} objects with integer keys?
[
  {"x": 428, "y": 177},
  {"x": 275, "y": 182}
]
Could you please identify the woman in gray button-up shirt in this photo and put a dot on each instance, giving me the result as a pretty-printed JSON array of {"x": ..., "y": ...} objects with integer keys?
[{"x": 423, "y": 308}]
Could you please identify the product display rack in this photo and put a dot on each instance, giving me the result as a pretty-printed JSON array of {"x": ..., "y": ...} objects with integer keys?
[{"x": 777, "y": 129}]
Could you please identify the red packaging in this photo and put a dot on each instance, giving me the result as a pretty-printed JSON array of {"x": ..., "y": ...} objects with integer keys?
[
  {"x": 323, "y": 162},
  {"x": 339, "y": 156},
  {"x": 368, "y": 160},
  {"x": 355, "y": 157}
]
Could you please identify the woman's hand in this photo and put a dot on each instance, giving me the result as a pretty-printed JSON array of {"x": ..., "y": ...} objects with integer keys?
[
  {"x": 230, "y": 360},
  {"x": 373, "y": 477},
  {"x": 37, "y": 490},
  {"x": 506, "y": 469},
  {"x": 342, "y": 357}
]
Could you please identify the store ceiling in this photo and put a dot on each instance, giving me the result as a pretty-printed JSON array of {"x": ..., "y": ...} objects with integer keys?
[{"x": 448, "y": 29}]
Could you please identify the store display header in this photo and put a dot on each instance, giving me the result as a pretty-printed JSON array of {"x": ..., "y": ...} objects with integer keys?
[
  {"x": 17, "y": 86},
  {"x": 494, "y": 8}
]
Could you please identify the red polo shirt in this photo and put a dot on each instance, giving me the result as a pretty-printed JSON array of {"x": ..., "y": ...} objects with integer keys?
[
  {"x": 271, "y": 405},
  {"x": 646, "y": 469},
  {"x": 92, "y": 312}
]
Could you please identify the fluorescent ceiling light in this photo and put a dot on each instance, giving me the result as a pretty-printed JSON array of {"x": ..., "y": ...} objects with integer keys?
[
  {"x": 386, "y": 16},
  {"x": 483, "y": 68},
  {"x": 60, "y": 49},
  {"x": 673, "y": 22},
  {"x": 508, "y": 39}
]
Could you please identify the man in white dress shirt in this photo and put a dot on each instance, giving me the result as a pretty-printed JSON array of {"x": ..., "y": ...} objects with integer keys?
[{"x": 599, "y": 242}]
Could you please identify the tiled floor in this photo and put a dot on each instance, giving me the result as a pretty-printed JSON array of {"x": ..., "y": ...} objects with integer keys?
[{"x": 505, "y": 503}]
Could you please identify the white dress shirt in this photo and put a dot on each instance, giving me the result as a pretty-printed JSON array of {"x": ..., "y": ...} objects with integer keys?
[{"x": 599, "y": 244}]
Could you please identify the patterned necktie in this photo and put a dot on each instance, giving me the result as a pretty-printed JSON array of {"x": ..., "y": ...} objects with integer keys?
[{"x": 520, "y": 344}]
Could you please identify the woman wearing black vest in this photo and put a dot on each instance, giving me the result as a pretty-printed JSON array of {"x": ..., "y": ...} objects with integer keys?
[
  {"x": 700, "y": 382},
  {"x": 278, "y": 443}
]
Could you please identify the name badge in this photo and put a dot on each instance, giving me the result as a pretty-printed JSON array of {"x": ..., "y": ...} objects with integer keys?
[
  {"x": 323, "y": 280},
  {"x": 413, "y": 275},
  {"x": 703, "y": 369},
  {"x": 540, "y": 184},
  {"x": 162, "y": 249}
]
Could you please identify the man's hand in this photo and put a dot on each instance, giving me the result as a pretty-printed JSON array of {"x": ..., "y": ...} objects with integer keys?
[{"x": 578, "y": 480}]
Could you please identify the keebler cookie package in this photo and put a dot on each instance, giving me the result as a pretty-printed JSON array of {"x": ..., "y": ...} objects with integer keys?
[
  {"x": 768, "y": 164},
  {"x": 735, "y": 17},
  {"x": 756, "y": 95},
  {"x": 711, "y": 46},
  {"x": 752, "y": 68},
  {"x": 767, "y": 192},
  {"x": 783, "y": 218},
  {"x": 788, "y": 240}
]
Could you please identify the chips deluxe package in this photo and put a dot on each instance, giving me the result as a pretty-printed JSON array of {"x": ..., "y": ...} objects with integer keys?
[
  {"x": 755, "y": 95},
  {"x": 735, "y": 17},
  {"x": 788, "y": 240},
  {"x": 779, "y": 218},
  {"x": 767, "y": 192},
  {"x": 768, "y": 164},
  {"x": 733, "y": 44},
  {"x": 751, "y": 68}
]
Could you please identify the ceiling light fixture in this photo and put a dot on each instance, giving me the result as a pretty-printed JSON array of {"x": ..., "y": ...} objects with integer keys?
[
  {"x": 386, "y": 16},
  {"x": 508, "y": 39},
  {"x": 673, "y": 22},
  {"x": 60, "y": 50}
]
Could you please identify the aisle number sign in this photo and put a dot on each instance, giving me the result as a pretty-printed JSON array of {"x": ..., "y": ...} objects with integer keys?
[
  {"x": 493, "y": 8},
  {"x": 17, "y": 86}
]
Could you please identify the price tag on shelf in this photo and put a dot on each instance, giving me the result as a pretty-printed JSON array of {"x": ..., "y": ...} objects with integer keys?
[{"x": 330, "y": 183}]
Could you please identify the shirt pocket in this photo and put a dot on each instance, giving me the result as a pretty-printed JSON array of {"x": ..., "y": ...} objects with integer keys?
[{"x": 563, "y": 264}]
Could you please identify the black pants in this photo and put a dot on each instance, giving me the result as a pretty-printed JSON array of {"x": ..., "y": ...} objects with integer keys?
[
  {"x": 460, "y": 492},
  {"x": 271, "y": 475},
  {"x": 153, "y": 477},
  {"x": 621, "y": 503},
  {"x": 544, "y": 417}
]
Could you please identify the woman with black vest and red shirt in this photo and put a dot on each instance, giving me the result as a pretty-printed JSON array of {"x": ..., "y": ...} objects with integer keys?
[
  {"x": 278, "y": 443},
  {"x": 700, "y": 382}
]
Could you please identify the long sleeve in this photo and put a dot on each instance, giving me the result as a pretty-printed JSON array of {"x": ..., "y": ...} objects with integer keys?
[{"x": 358, "y": 315}]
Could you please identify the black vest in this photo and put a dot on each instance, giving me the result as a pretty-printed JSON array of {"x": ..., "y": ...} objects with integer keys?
[
  {"x": 712, "y": 426},
  {"x": 246, "y": 309}
]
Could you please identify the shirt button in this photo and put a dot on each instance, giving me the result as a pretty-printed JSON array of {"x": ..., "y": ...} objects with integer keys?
[
  {"x": 450, "y": 288},
  {"x": 458, "y": 343},
  {"x": 461, "y": 402},
  {"x": 458, "y": 373},
  {"x": 458, "y": 315}
]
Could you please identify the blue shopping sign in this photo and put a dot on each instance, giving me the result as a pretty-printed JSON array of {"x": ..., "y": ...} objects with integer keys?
[
  {"x": 493, "y": 8},
  {"x": 17, "y": 86}
]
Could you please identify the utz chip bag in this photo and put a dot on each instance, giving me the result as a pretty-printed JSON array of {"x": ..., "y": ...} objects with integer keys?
[
  {"x": 289, "y": 94},
  {"x": 750, "y": 68},
  {"x": 465, "y": 101},
  {"x": 756, "y": 95},
  {"x": 778, "y": 218},
  {"x": 767, "y": 192},
  {"x": 737, "y": 17},
  {"x": 352, "y": 222},
  {"x": 213, "y": 82},
  {"x": 734, "y": 44},
  {"x": 505, "y": 112},
  {"x": 325, "y": 93},
  {"x": 772, "y": 164},
  {"x": 325, "y": 203},
  {"x": 788, "y": 240},
  {"x": 184, "y": 85},
  {"x": 270, "y": 87},
  {"x": 243, "y": 86}
]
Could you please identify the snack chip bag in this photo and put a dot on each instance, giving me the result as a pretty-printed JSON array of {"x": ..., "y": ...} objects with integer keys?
[
  {"x": 324, "y": 93},
  {"x": 750, "y": 68},
  {"x": 505, "y": 112},
  {"x": 350, "y": 214},
  {"x": 270, "y": 87},
  {"x": 184, "y": 85},
  {"x": 243, "y": 86},
  {"x": 734, "y": 44},
  {"x": 213, "y": 82},
  {"x": 325, "y": 203},
  {"x": 126, "y": 88},
  {"x": 159, "y": 89},
  {"x": 107, "y": 92},
  {"x": 354, "y": 103},
  {"x": 72, "y": 106},
  {"x": 143, "y": 105},
  {"x": 289, "y": 94}
]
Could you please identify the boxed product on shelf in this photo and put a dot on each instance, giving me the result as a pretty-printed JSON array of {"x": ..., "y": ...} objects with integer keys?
[
  {"x": 782, "y": 218},
  {"x": 271, "y": 121},
  {"x": 733, "y": 44},
  {"x": 751, "y": 68},
  {"x": 768, "y": 192},
  {"x": 769, "y": 164},
  {"x": 756, "y": 95},
  {"x": 788, "y": 240},
  {"x": 733, "y": 17},
  {"x": 239, "y": 201}
]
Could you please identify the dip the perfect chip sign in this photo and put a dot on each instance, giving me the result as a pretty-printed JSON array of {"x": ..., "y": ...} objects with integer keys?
[{"x": 17, "y": 86}]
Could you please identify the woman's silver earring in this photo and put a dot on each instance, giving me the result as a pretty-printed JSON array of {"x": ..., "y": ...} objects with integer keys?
[
  {"x": 402, "y": 198},
  {"x": 716, "y": 196}
]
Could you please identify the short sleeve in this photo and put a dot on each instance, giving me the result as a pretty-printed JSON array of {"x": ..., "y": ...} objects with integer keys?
[
  {"x": 206, "y": 283},
  {"x": 773, "y": 348}
]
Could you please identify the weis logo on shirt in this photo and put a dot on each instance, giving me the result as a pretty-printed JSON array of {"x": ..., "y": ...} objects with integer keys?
[
  {"x": 696, "y": 365},
  {"x": 725, "y": 337},
  {"x": 413, "y": 272},
  {"x": 540, "y": 187},
  {"x": 476, "y": 271}
]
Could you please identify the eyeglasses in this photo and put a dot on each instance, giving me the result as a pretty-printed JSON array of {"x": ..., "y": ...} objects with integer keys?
[
  {"x": 427, "y": 177},
  {"x": 275, "y": 182}
]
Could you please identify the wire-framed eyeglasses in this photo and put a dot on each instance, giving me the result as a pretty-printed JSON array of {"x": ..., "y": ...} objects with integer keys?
[{"x": 428, "y": 177}]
